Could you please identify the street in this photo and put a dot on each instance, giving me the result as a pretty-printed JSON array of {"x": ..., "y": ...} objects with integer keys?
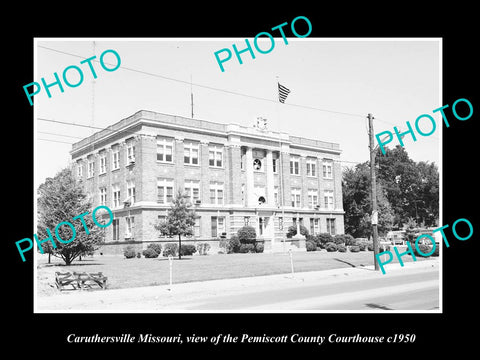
[{"x": 414, "y": 287}]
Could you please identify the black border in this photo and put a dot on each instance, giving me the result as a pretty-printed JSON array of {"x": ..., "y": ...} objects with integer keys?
[{"x": 433, "y": 331}]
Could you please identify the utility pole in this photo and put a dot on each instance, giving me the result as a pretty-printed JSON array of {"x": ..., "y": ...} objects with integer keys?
[{"x": 374, "y": 190}]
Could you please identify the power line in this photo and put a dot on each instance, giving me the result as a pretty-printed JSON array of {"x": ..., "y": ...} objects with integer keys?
[
  {"x": 49, "y": 133},
  {"x": 57, "y": 141},
  {"x": 210, "y": 87}
]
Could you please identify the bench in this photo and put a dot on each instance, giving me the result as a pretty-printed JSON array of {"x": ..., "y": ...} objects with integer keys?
[{"x": 80, "y": 280}]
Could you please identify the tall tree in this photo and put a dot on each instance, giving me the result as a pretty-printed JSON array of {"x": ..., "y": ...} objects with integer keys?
[
  {"x": 60, "y": 199},
  {"x": 180, "y": 220}
]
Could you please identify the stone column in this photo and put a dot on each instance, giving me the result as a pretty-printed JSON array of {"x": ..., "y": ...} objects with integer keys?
[
  {"x": 269, "y": 175},
  {"x": 250, "y": 196},
  {"x": 179, "y": 166}
]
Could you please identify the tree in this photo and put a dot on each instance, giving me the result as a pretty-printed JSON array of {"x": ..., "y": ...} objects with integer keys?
[
  {"x": 180, "y": 220},
  {"x": 60, "y": 199}
]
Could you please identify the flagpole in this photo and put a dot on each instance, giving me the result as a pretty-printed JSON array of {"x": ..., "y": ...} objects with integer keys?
[{"x": 280, "y": 168}]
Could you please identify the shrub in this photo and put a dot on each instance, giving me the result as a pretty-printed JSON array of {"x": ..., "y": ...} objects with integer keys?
[
  {"x": 425, "y": 249},
  {"x": 155, "y": 247},
  {"x": 341, "y": 248},
  {"x": 259, "y": 247},
  {"x": 370, "y": 246},
  {"x": 339, "y": 239},
  {"x": 139, "y": 255},
  {"x": 362, "y": 246},
  {"x": 322, "y": 239},
  {"x": 203, "y": 248},
  {"x": 350, "y": 240},
  {"x": 149, "y": 253},
  {"x": 170, "y": 249},
  {"x": 330, "y": 246},
  {"x": 187, "y": 250},
  {"x": 247, "y": 248},
  {"x": 311, "y": 246},
  {"x": 292, "y": 231},
  {"x": 233, "y": 245},
  {"x": 355, "y": 248},
  {"x": 129, "y": 252},
  {"x": 247, "y": 235}
]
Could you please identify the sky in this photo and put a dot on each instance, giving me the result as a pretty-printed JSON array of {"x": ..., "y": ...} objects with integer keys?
[{"x": 334, "y": 84}]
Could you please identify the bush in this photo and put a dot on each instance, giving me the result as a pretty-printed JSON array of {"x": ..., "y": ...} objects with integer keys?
[
  {"x": 370, "y": 246},
  {"x": 233, "y": 245},
  {"x": 322, "y": 239},
  {"x": 247, "y": 235},
  {"x": 341, "y": 248},
  {"x": 247, "y": 248},
  {"x": 292, "y": 231},
  {"x": 355, "y": 248},
  {"x": 155, "y": 247},
  {"x": 350, "y": 240},
  {"x": 259, "y": 247},
  {"x": 139, "y": 255},
  {"x": 203, "y": 248},
  {"x": 330, "y": 246},
  {"x": 311, "y": 246},
  {"x": 187, "y": 250},
  {"x": 149, "y": 253},
  {"x": 362, "y": 246},
  {"x": 425, "y": 249},
  {"x": 170, "y": 249},
  {"x": 129, "y": 252}
]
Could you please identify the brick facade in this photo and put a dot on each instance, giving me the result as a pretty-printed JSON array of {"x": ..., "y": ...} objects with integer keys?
[{"x": 242, "y": 178}]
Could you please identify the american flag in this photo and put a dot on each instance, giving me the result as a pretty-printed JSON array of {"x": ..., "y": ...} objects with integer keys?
[{"x": 282, "y": 93}]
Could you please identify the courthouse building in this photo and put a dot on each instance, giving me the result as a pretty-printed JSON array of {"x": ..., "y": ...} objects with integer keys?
[{"x": 234, "y": 176}]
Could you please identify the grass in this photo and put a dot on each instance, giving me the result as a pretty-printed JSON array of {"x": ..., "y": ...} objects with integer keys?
[{"x": 135, "y": 272}]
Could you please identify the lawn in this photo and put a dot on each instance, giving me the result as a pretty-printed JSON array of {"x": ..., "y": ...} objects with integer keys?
[{"x": 127, "y": 273}]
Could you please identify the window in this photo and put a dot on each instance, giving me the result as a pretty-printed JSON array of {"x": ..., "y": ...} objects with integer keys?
[
  {"x": 131, "y": 191},
  {"x": 275, "y": 196},
  {"x": 165, "y": 149},
  {"x": 311, "y": 167},
  {"x": 257, "y": 165},
  {"x": 328, "y": 197},
  {"x": 243, "y": 195},
  {"x": 130, "y": 222},
  {"x": 314, "y": 226},
  {"x": 327, "y": 170},
  {"x": 103, "y": 162},
  {"x": 116, "y": 230},
  {"x": 103, "y": 196},
  {"x": 275, "y": 163},
  {"x": 192, "y": 189},
  {"x": 215, "y": 156},
  {"x": 216, "y": 193},
  {"x": 331, "y": 226},
  {"x": 246, "y": 220},
  {"x": 312, "y": 198},
  {"x": 164, "y": 191},
  {"x": 294, "y": 165},
  {"x": 196, "y": 227},
  {"x": 130, "y": 151},
  {"x": 218, "y": 226},
  {"x": 79, "y": 169},
  {"x": 116, "y": 195},
  {"x": 280, "y": 223},
  {"x": 115, "y": 157},
  {"x": 296, "y": 197},
  {"x": 90, "y": 167},
  {"x": 190, "y": 153}
]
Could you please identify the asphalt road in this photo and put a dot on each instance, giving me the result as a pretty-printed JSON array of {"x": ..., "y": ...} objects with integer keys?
[{"x": 405, "y": 291}]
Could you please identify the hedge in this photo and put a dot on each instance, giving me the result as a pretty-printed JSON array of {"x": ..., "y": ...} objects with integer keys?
[
  {"x": 247, "y": 235},
  {"x": 330, "y": 247},
  {"x": 341, "y": 248},
  {"x": 311, "y": 246},
  {"x": 149, "y": 253},
  {"x": 170, "y": 249},
  {"x": 187, "y": 250},
  {"x": 355, "y": 249},
  {"x": 129, "y": 252},
  {"x": 247, "y": 248}
]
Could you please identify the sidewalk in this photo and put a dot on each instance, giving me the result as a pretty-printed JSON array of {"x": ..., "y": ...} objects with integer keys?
[{"x": 165, "y": 299}]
